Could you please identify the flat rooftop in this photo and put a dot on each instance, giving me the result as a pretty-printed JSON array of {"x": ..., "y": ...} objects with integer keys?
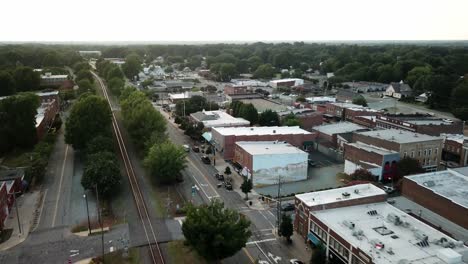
[
  {"x": 219, "y": 118},
  {"x": 262, "y": 105},
  {"x": 372, "y": 148},
  {"x": 335, "y": 195},
  {"x": 269, "y": 147},
  {"x": 398, "y": 232},
  {"x": 274, "y": 130},
  {"x": 399, "y": 136},
  {"x": 338, "y": 128},
  {"x": 286, "y": 80},
  {"x": 320, "y": 99},
  {"x": 450, "y": 184}
]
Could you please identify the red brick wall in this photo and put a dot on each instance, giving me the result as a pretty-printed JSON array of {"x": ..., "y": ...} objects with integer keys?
[
  {"x": 363, "y": 121},
  {"x": 3, "y": 204},
  {"x": 310, "y": 120},
  {"x": 243, "y": 158},
  {"x": 354, "y": 154},
  {"x": 350, "y": 202},
  {"x": 229, "y": 89},
  {"x": 436, "y": 130},
  {"x": 435, "y": 203}
]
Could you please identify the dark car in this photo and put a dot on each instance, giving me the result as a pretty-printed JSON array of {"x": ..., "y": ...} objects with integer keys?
[
  {"x": 228, "y": 186},
  {"x": 206, "y": 159},
  {"x": 219, "y": 176},
  {"x": 312, "y": 163},
  {"x": 288, "y": 207},
  {"x": 196, "y": 149}
]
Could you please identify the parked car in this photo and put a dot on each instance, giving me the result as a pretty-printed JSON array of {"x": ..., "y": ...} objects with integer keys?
[
  {"x": 228, "y": 186},
  {"x": 196, "y": 149},
  {"x": 388, "y": 189},
  {"x": 287, "y": 207},
  {"x": 219, "y": 176},
  {"x": 312, "y": 163},
  {"x": 206, "y": 159},
  {"x": 186, "y": 148},
  {"x": 295, "y": 261}
]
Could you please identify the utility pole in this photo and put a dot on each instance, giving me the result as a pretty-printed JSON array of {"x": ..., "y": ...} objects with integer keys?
[
  {"x": 278, "y": 204},
  {"x": 87, "y": 211},
  {"x": 100, "y": 221},
  {"x": 17, "y": 211}
]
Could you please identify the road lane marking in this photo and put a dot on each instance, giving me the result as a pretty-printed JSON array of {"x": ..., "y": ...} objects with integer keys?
[
  {"x": 263, "y": 252},
  {"x": 267, "y": 219},
  {"x": 206, "y": 180},
  {"x": 260, "y": 241},
  {"x": 40, "y": 210},
  {"x": 60, "y": 186}
]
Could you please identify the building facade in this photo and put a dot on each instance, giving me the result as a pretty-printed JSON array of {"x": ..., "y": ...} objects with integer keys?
[{"x": 419, "y": 123}]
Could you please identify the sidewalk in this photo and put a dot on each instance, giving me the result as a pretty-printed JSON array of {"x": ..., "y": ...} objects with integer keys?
[
  {"x": 27, "y": 203},
  {"x": 299, "y": 249}
]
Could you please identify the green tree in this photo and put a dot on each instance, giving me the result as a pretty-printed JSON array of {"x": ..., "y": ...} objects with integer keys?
[
  {"x": 84, "y": 86},
  {"x": 99, "y": 144},
  {"x": 102, "y": 169},
  {"x": 301, "y": 99},
  {"x": 84, "y": 75},
  {"x": 319, "y": 255},
  {"x": 227, "y": 171},
  {"x": 408, "y": 166},
  {"x": 89, "y": 117},
  {"x": 459, "y": 100},
  {"x": 18, "y": 121},
  {"x": 82, "y": 65},
  {"x": 291, "y": 120},
  {"x": 264, "y": 71},
  {"x": 114, "y": 71},
  {"x": 224, "y": 71},
  {"x": 250, "y": 113},
  {"x": 360, "y": 100},
  {"x": 26, "y": 79},
  {"x": 165, "y": 162},
  {"x": 268, "y": 118},
  {"x": 132, "y": 66},
  {"x": 215, "y": 232},
  {"x": 286, "y": 227},
  {"x": 116, "y": 86},
  {"x": 7, "y": 84},
  {"x": 362, "y": 175},
  {"x": 298, "y": 73},
  {"x": 246, "y": 187}
]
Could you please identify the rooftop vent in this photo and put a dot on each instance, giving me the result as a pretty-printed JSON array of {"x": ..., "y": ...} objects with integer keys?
[
  {"x": 395, "y": 219},
  {"x": 372, "y": 212},
  {"x": 423, "y": 243},
  {"x": 356, "y": 191},
  {"x": 251, "y": 128},
  {"x": 346, "y": 194},
  {"x": 429, "y": 183},
  {"x": 393, "y": 138},
  {"x": 394, "y": 236},
  {"x": 349, "y": 224},
  {"x": 274, "y": 131},
  {"x": 415, "y": 135},
  {"x": 401, "y": 132}
]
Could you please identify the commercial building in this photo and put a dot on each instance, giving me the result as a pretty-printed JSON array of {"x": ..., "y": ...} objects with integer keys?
[
  {"x": 455, "y": 152},
  {"x": 286, "y": 82},
  {"x": 267, "y": 162},
  {"x": 225, "y": 138},
  {"x": 320, "y": 100},
  {"x": 175, "y": 97},
  {"x": 356, "y": 225},
  {"x": 398, "y": 90},
  {"x": 426, "y": 149},
  {"x": 365, "y": 87},
  {"x": 327, "y": 134},
  {"x": 308, "y": 117},
  {"x": 347, "y": 111},
  {"x": 378, "y": 161},
  {"x": 243, "y": 96},
  {"x": 235, "y": 89},
  {"x": 443, "y": 192},
  {"x": 10, "y": 183},
  {"x": 347, "y": 95},
  {"x": 420, "y": 123},
  {"x": 90, "y": 53},
  {"x": 50, "y": 80},
  {"x": 217, "y": 118},
  {"x": 263, "y": 104}
]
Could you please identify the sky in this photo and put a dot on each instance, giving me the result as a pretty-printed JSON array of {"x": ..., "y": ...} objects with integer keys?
[{"x": 232, "y": 20}]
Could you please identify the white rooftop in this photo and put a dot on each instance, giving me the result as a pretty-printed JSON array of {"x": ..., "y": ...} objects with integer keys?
[
  {"x": 221, "y": 119},
  {"x": 335, "y": 195},
  {"x": 399, "y": 234},
  {"x": 460, "y": 138},
  {"x": 320, "y": 99},
  {"x": 372, "y": 148},
  {"x": 269, "y": 147},
  {"x": 451, "y": 184},
  {"x": 286, "y": 80},
  {"x": 273, "y": 130},
  {"x": 399, "y": 136},
  {"x": 338, "y": 128}
]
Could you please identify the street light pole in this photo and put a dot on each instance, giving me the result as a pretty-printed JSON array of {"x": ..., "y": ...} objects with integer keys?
[
  {"x": 100, "y": 221},
  {"x": 87, "y": 211},
  {"x": 278, "y": 205}
]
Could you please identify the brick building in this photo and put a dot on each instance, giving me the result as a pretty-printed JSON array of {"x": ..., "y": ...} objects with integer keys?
[
  {"x": 426, "y": 149},
  {"x": 235, "y": 89},
  {"x": 455, "y": 152},
  {"x": 379, "y": 161},
  {"x": 443, "y": 192},
  {"x": 10, "y": 183},
  {"x": 327, "y": 134},
  {"x": 46, "y": 114},
  {"x": 50, "y": 80},
  {"x": 225, "y": 138},
  {"x": 308, "y": 117},
  {"x": 420, "y": 123},
  {"x": 355, "y": 224},
  {"x": 347, "y": 111}
]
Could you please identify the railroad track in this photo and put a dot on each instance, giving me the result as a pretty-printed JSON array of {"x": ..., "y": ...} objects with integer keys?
[{"x": 155, "y": 251}]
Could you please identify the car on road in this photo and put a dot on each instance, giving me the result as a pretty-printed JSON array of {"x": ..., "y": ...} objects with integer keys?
[
  {"x": 295, "y": 261},
  {"x": 287, "y": 207},
  {"x": 446, "y": 120},
  {"x": 186, "y": 148},
  {"x": 196, "y": 149},
  {"x": 206, "y": 159},
  {"x": 219, "y": 176},
  {"x": 228, "y": 186},
  {"x": 388, "y": 189},
  {"x": 312, "y": 163}
]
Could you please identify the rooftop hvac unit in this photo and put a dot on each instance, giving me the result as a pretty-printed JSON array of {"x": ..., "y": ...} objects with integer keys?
[
  {"x": 349, "y": 224},
  {"x": 372, "y": 212},
  {"x": 420, "y": 235},
  {"x": 395, "y": 219},
  {"x": 356, "y": 191},
  {"x": 346, "y": 194},
  {"x": 390, "y": 251}
]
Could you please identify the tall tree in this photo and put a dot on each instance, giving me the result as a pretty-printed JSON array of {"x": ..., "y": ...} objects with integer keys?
[
  {"x": 165, "y": 162},
  {"x": 264, "y": 71},
  {"x": 408, "y": 166},
  {"x": 250, "y": 113},
  {"x": 132, "y": 66},
  {"x": 84, "y": 75},
  {"x": 360, "y": 100},
  {"x": 26, "y": 79},
  {"x": 116, "y": 85},
  {"x": 102, "y": 169},
  {"x": 89, "y": 117},
  {"x": 215, "y": 232},
  {"x": 246, "y": 187},
  {"x": 459, "y": 100},
  {"x": 291, "y": 120},
  {"x": 268, "y": 118},
  {"x": 98, "y": 144},
  {"x": 84, "y": 86},
  {"x": 286, "y": 227},
  {"x": 7, "y": 84}
]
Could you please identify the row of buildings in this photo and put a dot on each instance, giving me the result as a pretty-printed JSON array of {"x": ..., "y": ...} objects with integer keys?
[{"x": 359, "y": 224}]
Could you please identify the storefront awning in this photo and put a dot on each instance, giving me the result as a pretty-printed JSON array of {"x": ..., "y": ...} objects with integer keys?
[
  {"x": 207, "y": 136},
  {"x": 313, "y": 239}
]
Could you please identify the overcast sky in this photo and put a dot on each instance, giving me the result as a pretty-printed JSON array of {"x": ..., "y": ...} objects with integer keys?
[{"x": 232, "y": 20}]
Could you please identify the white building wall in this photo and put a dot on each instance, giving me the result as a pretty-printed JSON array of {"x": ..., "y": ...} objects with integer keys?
[
  {"x": 351, "y": 167},
  {"x": 267, "y": 168}
]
